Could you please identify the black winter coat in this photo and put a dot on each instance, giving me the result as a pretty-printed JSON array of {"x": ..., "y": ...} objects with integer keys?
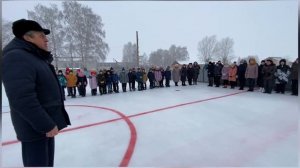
[
  {"x": 190, "y": 72},
  {"x": 242, "y": 71},
  {"x": 33, "y": 91},
  {"x": 151, "y": 76},
  {"x": 218, "y": 70},
  {"x": 132, "y": 77},
  {"x": 183, "y": 74},
  {"x": 168, "y": 74},
  {"x": 210, "y": 70}
]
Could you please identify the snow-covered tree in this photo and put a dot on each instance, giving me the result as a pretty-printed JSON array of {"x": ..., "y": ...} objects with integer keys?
[
  {"x": 7, "y": 34},
  {"x": 225, "y": 50},
  {"x": 207, "y": 48},
  {"x": 130, "y": 53},
  {"x": 51, "y": 18},
  {"x": 85, "y": 32}
]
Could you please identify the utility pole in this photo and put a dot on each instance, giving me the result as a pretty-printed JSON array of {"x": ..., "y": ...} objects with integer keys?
[{"x": 137, "y": 49}]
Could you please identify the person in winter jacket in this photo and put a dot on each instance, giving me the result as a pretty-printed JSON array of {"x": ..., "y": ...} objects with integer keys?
[
  {"x": 124, "y": 79},
  {"x": 151, "y": 78},
  {"x": 241, "y": 74},
  {"x": 183, "y": 74},
  {"x": 93, "y": 82},
  {"x": 251, "y": 73},
  {"x": 101, "y": 80},
  {"x": 260, "y": 78},
  {"x": 115, "y": 81},
  {"x": 67, "y": 71},
  {"x": 232, "y": 75},
  {"x": 33, "y": 90},
  {"x": 218, "y": 73},
  {"x": 210, "y": 73},
  {"x": 190, "y": 73},
  {"x": 269, "y": 72},
  {"x": 176, "y": 74},
  {"x": 63, "y": 82},
  {"x": 145, "y": 79},
  {"x": 81, "y": 83},
  {"x": 294, "y": 77},
  {"x": 158, "y": 76},
  {"x": 109, "y": 81},
  {"x": 132, "y": 78},
  {"x": 168, "y": 76},
  {"x": 139, "y": 79},
  {"x": 225, "y": 75},
  {"x": 196, "y": 68},
  {"x": 161, "y": 82},
  {"x": 71, "y": 83},
  {"x": 282, "y": 76}
]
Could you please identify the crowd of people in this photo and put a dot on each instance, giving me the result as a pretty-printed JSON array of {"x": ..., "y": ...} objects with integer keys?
[{"x": 267, "y": 76}]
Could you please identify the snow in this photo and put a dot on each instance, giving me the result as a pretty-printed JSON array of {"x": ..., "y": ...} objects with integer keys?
[{"x": 245, "y": 129}]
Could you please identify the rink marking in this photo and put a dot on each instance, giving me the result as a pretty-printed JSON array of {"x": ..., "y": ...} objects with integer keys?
[
  {"x": 132, "y": 142},
  {"x": 134, "y": 115}
]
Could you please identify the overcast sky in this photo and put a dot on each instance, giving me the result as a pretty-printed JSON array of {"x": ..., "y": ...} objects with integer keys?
[{"x": 263, "y": 28}]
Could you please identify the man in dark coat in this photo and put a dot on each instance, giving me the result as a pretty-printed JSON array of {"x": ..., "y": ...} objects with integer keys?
[
  {"x": 34, "y": 94},
  {"x": 269, "y": 71}
]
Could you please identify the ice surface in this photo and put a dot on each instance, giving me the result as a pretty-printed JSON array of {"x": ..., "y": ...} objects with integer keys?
[{"x": 246, "y": 129}]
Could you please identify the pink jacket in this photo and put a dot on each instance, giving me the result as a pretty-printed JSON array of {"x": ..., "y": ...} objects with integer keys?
[{"x": 93, "y": 82}]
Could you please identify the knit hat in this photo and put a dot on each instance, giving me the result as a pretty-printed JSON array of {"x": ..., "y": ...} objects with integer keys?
[{"x": 22, "y": 26}]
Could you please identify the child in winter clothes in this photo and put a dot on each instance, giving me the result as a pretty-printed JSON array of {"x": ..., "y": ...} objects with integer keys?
[
  {"x": 232, "y": 75},
  {"x": 145, "y": 78},
  {"x": 269, "y": 71},
  {"x": 123, "y": 79},
  {"x": 151, "y": 78},
  {"x": 218, "y": 73},
  {"x": 251, "y": 73},
  {"x": 190, "y": 73},
  {"x": 176, "y": 74},
  {"x": 115, "y": 81},
  {"x": 158, "y": 76},
  {"x": 81, "y": 83},
  {"x": 260, "y": 78},
  {"x": 168, "y": 76},
  {"x": 139, "y": 79},
  {"x": 132, "y": 78},
  {"x": 241, "y": 74},
  {"x": 63, "y": 82},
  {"x": 93, "y": 83},
  {"x": 101, "y": 80},
  {"x": 71, "y": 83},
  {"x": 161, "y": 82},
  {"x": 282, "y": 76},
  {"x": 225, "y": 75},
  {"x": 109, "y": 81},
  {"x": 210, "y": 73},
  {"x": 183, "y": 73},
  {"x": 196, "y": 68}
]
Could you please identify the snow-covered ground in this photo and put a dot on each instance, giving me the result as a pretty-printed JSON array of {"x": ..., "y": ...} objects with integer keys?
[{"x": 176, "y": 126}]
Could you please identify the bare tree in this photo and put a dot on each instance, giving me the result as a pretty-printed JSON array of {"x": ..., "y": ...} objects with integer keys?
[
  {"x": 85, "y": 29},
  {"x": 207, "y": 48},
  {"x": 7, "y": 34},
  {"x": 129, "y": 53},
  {"x": 51, "y": 18},
  {"x": 167, "y": 57},
  {"x": 225, "y": 50}
]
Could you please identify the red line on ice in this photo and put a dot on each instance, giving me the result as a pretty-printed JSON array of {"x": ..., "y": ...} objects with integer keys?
[{"x": 132, "y": 141}]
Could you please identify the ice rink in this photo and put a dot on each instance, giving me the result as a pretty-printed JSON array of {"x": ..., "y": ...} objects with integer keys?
[{"x": 188, "y": 126}]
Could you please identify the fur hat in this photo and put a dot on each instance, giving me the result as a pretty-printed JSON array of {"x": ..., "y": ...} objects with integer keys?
[{"x": 22, "y": 26}]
